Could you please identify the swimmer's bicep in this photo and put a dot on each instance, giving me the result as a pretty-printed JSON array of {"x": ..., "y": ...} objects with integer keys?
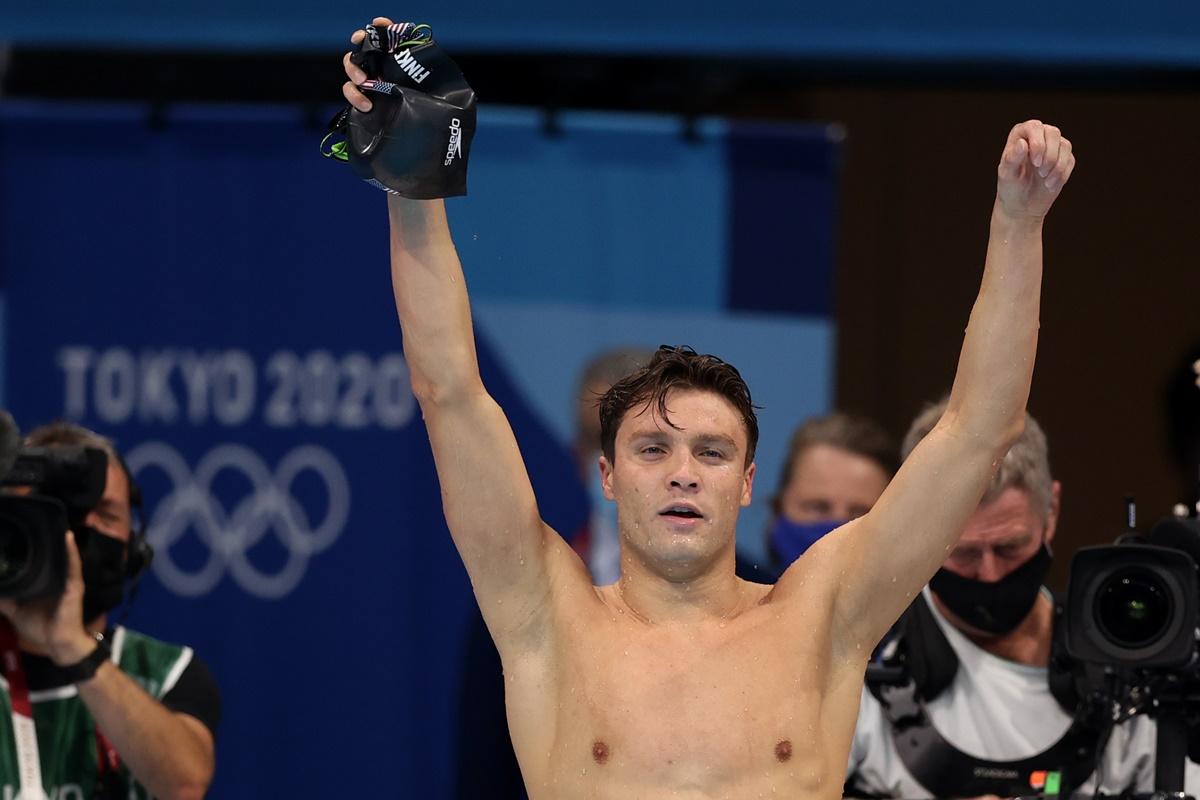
[
  {"x": 487, "y": 498},
  {"x": 522, "y": 615},
  {"x": 890, "y": 553}
]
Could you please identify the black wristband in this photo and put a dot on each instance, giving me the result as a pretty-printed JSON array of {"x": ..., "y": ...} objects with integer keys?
[{"x": 86, "y": 667}]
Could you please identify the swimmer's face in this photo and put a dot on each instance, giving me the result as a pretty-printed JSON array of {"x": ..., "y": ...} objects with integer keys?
[
  {"x": 678, "y": 489},
  {"x": 828, "y": 482}
]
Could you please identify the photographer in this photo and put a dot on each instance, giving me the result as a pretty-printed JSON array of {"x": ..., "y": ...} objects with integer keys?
[
  {"x": 986, "y": 701},
  {"x": 117, "y": 714}
]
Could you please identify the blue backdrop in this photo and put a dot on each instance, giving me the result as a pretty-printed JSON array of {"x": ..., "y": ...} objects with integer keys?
[
  {"x": 1070, "y": 31},
  {"x": 216, "y": 296}
]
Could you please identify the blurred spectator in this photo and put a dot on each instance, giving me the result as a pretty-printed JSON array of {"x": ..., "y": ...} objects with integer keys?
[
  {"x": 598, "y": 543},
  {"x": 836, "y": 468}
]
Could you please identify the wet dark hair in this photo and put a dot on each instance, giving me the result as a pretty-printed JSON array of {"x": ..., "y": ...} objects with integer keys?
[{"x": 675, "y": 368}]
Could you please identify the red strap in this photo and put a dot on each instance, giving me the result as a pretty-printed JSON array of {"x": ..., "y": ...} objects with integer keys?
[
  {"x": 29, "y": 768},
  {"x": 107, "y": 759},
  {"x": 10, "y": 661}
]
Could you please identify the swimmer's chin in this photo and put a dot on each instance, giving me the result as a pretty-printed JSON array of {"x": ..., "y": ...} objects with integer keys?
[{"x": 678, "y": 564}]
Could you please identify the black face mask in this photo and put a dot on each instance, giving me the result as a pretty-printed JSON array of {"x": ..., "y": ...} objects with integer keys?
[
  {"x": 103, "y": 561},
  {"x": 996, "y": 607}
]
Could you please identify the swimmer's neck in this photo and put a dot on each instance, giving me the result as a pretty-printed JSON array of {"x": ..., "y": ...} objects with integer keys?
[{"x": 716, "y": 595}]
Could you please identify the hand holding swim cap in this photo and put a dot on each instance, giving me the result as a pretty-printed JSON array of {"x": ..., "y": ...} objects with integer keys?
[{"x": 411, "y": 135}]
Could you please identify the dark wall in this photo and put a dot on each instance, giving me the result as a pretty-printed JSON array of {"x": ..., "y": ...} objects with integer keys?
[{"x": 1121, "y": 297}]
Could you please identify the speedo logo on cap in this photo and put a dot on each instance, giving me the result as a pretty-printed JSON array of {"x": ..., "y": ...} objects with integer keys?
[
  {"x": 455, "y": 147},
  {"x": 411, "y": 66}
]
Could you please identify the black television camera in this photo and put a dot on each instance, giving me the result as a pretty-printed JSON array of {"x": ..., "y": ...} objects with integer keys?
[
  {"x": 64, "y": 484},
  {"x": 1133, "y": 609}
]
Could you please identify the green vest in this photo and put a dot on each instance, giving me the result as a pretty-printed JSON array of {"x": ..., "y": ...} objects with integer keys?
[{"x": 66, "y": 732}]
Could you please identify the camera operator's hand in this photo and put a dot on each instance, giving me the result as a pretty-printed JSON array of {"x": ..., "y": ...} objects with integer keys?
[{"x": 54, "y": 626}]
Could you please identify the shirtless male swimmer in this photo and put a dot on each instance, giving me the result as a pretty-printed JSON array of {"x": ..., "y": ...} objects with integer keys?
[{"x": 680, "y": 680}]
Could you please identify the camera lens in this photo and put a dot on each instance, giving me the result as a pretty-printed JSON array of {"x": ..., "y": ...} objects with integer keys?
[
  {"x": 14, "y": 555},
  {"x": 1133, "y": 607}
]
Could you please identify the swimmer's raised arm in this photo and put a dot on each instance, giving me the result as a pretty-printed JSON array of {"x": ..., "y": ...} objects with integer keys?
[
  {"x": 486, "y": 494},
  {"x": 890, "y": 553}
]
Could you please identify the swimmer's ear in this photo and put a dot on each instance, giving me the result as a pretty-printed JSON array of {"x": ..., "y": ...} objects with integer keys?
[
  {"x": 748, "y": 489},
  {"x": 606, "y": 475}
]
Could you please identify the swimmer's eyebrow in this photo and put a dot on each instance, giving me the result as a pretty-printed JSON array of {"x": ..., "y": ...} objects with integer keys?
[
  {"x": 727, "y": 442},
  {"x": 656, "y": 434},
  {"x": 652, "y": 432}
]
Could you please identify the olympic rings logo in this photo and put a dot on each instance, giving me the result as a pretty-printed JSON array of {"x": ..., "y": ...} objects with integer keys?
[{"x": 230, "y": 534}]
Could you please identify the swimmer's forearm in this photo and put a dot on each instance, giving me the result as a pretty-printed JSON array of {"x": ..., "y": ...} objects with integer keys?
[
  {"x": 431, "y": 300},
  {"x": 902, "y": 541},
  {"x": 995, "y": 368}
]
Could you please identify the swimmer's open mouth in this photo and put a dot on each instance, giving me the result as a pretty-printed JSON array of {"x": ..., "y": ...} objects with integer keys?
[{"x": 682, "y": 511}]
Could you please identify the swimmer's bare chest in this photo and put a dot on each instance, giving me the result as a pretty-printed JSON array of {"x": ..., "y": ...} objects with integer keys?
[{"x": 632, "y": 709}]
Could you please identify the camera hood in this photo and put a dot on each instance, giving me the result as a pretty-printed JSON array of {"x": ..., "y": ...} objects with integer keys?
[
  {"x": 74, "y": 474},
  {"x": 1134, "y": 606}
]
